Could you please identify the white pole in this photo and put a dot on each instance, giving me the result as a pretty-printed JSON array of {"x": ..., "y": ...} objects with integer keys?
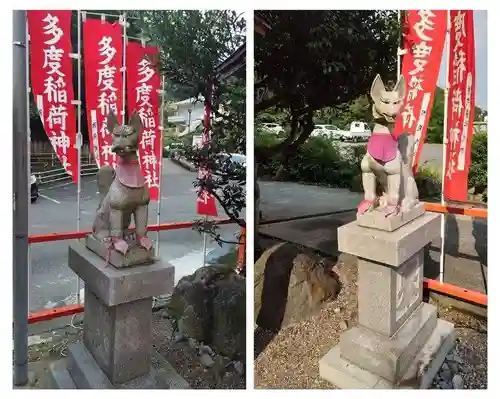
[
  {"x": 124, "y": 76},
  {"x": 158, "y": 209},
  {"x": 79, "y": 139},
  {"x": 399, "y": 45},
  {"x": 445, "y": 145}
]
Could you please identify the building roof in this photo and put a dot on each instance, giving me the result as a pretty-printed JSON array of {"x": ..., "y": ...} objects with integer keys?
[
  {"x": 233, "y": 64},
  {"x": 261, "y": 23}
]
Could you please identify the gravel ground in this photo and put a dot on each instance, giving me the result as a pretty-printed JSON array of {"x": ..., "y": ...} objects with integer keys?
[
  {"x": 183, "y": 356},
  {"x": 185, "y": 359},
  {"x": 289, "y": 359},
  {"x": 469, "y": 359}
]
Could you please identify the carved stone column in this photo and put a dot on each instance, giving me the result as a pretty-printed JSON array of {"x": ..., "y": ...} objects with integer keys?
[{"x": 399, "y": 342}]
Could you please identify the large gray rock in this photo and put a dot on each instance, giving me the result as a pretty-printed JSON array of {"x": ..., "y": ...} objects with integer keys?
[
  {"x": 229, "y": 318},
  {"x": 209, "y": 306},
  {"x": 291, "y": 286}
]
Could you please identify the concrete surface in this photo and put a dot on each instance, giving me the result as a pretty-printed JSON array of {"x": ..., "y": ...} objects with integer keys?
[
  {"x": 54, "y": 284},
  {"x": 282, "y": 200}
]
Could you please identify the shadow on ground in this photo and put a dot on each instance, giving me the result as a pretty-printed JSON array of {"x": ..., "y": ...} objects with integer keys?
[
  {"x": 292, "y": 283},
  {"x": 465, "y": 262}
]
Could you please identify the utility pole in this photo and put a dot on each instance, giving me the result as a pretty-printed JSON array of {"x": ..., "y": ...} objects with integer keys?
[{"x": 21, "y": 204}]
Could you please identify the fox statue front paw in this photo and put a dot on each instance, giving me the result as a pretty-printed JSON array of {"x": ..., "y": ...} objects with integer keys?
[
  {"x": 390, "y": 210},
  {"x": 146, "y": 243},
  {"x": 365, "y": 206},
  {"x": 121, "y": 246}
]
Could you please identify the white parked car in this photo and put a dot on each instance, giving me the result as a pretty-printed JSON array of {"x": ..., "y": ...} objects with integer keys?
[
  {"x": 358, "y": 131},
  {"x": 273, "y": 128},
  {"x": 330, "y": 131}
]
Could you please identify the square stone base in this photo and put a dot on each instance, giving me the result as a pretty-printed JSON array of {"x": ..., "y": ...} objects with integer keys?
[
  {"x": 116, "y": 286},
  {"x": 389, "y": 357},
  {"x": 135, "y": 256},
  {"x": 419, "y": 375},
  {"x": 377, "y": 220},
  {"x": 392, "y": 248},
  {"x": 81, "y": 371}
]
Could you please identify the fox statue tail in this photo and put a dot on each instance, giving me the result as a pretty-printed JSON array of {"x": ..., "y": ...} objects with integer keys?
[
  {"x": 406, "y": 146},
  {"x": 105, "y": 177}
]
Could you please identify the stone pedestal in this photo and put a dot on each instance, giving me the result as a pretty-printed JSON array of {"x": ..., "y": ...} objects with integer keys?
[
  {"x": 399, "y": 341},
  {"x": 116, "y": 351}
]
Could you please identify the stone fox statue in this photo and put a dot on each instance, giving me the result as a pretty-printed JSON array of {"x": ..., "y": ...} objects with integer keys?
[
  {"x": 123, "y": 191},
  {"x": 388, "y": 159}
]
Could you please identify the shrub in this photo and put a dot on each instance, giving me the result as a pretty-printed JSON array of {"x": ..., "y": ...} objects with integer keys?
[
  {"x": 321, "y": 161},
  {"x": 428, "y": 182},
  {"x": 478, "y": 172}
]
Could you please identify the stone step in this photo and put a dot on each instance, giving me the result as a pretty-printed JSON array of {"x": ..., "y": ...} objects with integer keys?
[
  {"x": 389, "y": 357},
  {"x": 59, "y": 377},
  {"x": 421, "y": 372},
  {"x": 81, "y": 371}
]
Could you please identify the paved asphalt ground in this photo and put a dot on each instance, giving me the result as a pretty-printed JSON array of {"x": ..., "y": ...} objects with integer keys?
[
  {"x": 466, "y": 238},
  {"x": 54, "y": 284}
]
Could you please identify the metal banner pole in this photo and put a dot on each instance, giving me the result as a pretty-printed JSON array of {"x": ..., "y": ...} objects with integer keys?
[
  {"x": 445, "y": 146},
  {"x": 162, "y": 110},
  {"x": 124, "y": 66},
  {"x": 21, "y": 207},
  {"x": 205, "y": 244},
  {"x": 28, "y": 118},
  {"x": 79, "y": 139}
]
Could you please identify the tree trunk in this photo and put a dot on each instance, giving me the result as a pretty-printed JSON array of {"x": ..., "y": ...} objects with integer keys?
[{"x": 280, "y": 173}]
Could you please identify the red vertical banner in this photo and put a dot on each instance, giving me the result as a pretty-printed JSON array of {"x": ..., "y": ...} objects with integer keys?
[
  {"x": 424, "y": 37},
  {"x": 52, "y": 82},
  {"x": 205, "y": 203},
  {"x": 102, "y": 56},
  {"x": 143, "y": 83},
  {"x": 461, "y": 103}
]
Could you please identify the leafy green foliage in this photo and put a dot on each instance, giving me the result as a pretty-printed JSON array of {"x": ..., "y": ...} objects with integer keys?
[
  {"x": 310, "y": 60},
  {"x": 193, "y": 44},
  {"x": 318, "y": 161},
  {"x": 321, "y": 161},
  {"x": 478, "y": 172},
  {"x": 228, "y": 179}
]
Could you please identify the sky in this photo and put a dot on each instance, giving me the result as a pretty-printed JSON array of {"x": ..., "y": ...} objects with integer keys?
[{"x": 481, "y": 45}]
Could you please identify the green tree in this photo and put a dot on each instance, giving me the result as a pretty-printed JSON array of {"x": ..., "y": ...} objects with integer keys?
[
  {"x": 192, "y": 45},
  {"x": 435, "y": 129},
  {"x": 310, "y": 60}
]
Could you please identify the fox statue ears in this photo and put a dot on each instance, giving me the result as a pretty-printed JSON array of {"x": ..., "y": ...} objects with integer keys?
[
  {"x": 134, "y": 121},
  {"x": 111, "y": 121},
  {"x": 378, "y": 87}
]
